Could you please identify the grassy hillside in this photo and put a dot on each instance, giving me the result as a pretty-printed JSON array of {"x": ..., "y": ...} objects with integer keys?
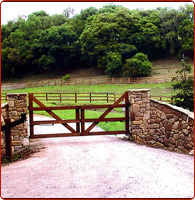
[
  {"x": 166, "y": 66},
  {"x": 156, "y": 89}
]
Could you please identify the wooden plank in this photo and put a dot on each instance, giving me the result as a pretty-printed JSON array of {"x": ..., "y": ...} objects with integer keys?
[
  {"x": 77, "y": 134},
  {"x": 104, "y": 119},
  {"x": 103, "y": 133},
  {"x": 77, "y": 119},
  {"x": 82, "y": 121},
  {"x": 55, "y": 121},
  {"x": 127, "y": 113},
  {"x": 111, "y": 106},
  {"x": 55, "y": 135},
  {"x": 30, "y": 96},
  {"x": 53, "y": 115}
]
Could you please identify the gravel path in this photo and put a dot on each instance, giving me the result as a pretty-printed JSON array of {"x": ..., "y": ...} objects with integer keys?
[{"x": 98, "y": 167}]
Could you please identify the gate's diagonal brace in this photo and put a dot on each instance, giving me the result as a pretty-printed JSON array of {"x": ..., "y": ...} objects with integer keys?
[
  {"x": 54, "y": 115},
  {"x": 106, "y": 113}
]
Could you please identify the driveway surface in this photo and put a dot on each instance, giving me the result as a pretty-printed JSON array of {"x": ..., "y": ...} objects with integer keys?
[{"x": 98, "y": 167}]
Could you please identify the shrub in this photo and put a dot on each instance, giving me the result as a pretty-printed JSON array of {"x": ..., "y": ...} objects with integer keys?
[
  {"x": 113, "y": 63},
  {"x": 137, "y": 66},
  {"x": 66, "y": 77},
  {"x": 184, "y": 87}
]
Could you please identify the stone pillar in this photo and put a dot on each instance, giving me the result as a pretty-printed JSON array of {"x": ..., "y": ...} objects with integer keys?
[
  {"x": 17, "y": 104},
  {"x": 139, "y": 114}
]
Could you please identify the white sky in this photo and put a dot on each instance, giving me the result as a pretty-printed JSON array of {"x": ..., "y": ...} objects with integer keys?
[{"x": 11, "y": 10}]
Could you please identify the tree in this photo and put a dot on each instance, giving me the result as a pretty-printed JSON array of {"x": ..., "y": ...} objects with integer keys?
[
  {"x": 169, "y": 23},
  {"x": 109, "y": 32},
  {"x": 137, "y": 66},
  {"x": 186, "y": 29},
  {"x": 56, "y": 47},
  {"x": 68, "y": 12},
  {"x": 184, "y": 87},
  {"x": 113, "y": 63}
]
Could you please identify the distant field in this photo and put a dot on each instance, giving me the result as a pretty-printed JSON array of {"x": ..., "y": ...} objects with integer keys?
[{"x": 156, "y": 89}]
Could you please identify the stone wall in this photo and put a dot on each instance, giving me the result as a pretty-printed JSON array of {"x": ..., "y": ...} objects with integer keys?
[
  {"x": 17, "y": 104},
  {"x": 160, "y": 125}
]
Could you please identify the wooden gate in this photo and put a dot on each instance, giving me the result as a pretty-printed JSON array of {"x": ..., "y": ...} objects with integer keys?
[{"x": 80, "y": 119}]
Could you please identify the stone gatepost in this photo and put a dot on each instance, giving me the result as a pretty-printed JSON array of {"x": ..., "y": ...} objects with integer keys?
[
  {"x": 17, "y": 104},
  {"x": 139, "y": 114}
]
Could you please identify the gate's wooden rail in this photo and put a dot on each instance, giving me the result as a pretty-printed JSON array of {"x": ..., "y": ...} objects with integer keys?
[{"x": 80, "y": 118}]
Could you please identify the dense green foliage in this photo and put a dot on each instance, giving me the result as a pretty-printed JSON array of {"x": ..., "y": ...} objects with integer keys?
[
  {"x": 184, "y": 87},
  {"x": 138, "y": 65},
  {"x": 105, "y": 38}
]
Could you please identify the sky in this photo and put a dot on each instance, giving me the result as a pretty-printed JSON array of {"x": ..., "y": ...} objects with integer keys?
[{"x": 11, "y": 10}]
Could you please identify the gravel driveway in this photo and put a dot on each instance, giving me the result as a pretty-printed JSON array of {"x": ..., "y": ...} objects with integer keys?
[{"x": 98, "y": 167}]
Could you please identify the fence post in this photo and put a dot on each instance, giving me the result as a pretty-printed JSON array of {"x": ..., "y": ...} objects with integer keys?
[
  {"x": 107, "y": 97},
  {"x": 114, "y": 97},
  {"x": 172, "y": 100},
  {"x": 60, "y": 97},
  {"x": 90, "y": 97},
  {"x": 75, "y": 97},
  {"x": 8, "y": 139}
]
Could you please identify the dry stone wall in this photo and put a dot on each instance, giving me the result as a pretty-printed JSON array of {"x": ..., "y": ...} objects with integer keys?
[
  {"x": 160, "y": 125},
  {"x": 17, "y": 104}
]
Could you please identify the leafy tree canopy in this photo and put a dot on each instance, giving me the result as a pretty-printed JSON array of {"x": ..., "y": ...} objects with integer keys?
[{"x": 107, "y": 37}]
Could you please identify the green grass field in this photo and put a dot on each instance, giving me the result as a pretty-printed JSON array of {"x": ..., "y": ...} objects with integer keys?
[{"x": 155, "y": 89}]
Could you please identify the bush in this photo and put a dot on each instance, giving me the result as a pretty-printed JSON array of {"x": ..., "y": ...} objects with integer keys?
[
  {"x": 137, "y": 66},
  {"x": 66, "y": 77},
  {"x": 113, "y": 63},
  {"x": 184, "y": 87}
]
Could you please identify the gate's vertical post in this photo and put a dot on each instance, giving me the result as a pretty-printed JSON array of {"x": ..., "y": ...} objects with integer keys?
[
  {"x": 82, "y": 122},
  {"x": 77, "y": 123},
  {"x": 127, "y": 104},
  {"x": 31, "y": 114}
]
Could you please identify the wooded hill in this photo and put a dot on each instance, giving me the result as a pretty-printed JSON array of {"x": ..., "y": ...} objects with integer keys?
[{"x": 113, "y": 38}]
